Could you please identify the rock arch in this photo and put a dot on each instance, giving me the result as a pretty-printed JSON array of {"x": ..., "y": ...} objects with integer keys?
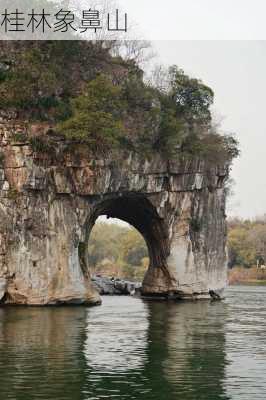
[
  {"x": 137, "y": 210},
  {"x": 49, "y": 203}
]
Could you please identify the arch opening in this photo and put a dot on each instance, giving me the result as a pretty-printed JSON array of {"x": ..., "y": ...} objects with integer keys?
[
  {"x": 137, "y": 211},
  {"x": 116, "y": 250}
]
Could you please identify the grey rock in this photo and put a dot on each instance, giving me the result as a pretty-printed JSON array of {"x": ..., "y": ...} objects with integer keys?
[
  {"x": 3, "y": 286},
  {"x": 111, "y": 286},
  {"x": 4, "y": 67},
  {"x": 51, "y": 204}
]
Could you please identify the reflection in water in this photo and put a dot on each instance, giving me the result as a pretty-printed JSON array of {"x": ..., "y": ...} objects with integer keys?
[
  {"x": 246, "y": 343},
  {"x": 116, "y": 349},
  {"x": 117, "y": 338},
  {"x": 40, "y": 352},
  {"x": 131, "y": 349},
  {"x": 187, "y": 344}
]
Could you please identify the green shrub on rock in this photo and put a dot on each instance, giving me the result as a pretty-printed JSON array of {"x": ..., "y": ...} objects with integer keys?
[
  {"x": 96, "y": 114},
  {"x": 92, "y": 98}
]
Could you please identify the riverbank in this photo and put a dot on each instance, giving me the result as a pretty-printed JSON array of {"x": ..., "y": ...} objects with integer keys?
[{"x": 247, "y": 276}]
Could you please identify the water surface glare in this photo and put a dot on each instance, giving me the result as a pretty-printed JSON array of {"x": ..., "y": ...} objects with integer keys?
[{"x": 132, "y": 349}]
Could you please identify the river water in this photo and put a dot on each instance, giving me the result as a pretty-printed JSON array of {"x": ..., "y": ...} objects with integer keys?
[{"x": 134, "y": 349}]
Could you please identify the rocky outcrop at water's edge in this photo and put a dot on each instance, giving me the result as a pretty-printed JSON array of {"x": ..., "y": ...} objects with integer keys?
[
  {"x": 50, "y": 200},
  {"x": 115, "y": 286}
]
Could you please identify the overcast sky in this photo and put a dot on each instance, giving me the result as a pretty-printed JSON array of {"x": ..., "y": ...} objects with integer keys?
[
  {"x": 236, "y": 71},
  {"x": 198, "y": 19}
]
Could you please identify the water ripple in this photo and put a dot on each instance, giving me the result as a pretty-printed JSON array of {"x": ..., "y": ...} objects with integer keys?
[{"x": 131, "y": 349}]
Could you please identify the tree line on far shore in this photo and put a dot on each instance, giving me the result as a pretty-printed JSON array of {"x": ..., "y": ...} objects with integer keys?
[
  {"x": 118, "y": 251},
  {"x": 247, "y": 250},
  {"x": 121, "y": 251},
  {"x": 247, "y": 242}
]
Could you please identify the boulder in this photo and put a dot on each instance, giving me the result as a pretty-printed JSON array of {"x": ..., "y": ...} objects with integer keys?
[{"x": 112, "y": 286}]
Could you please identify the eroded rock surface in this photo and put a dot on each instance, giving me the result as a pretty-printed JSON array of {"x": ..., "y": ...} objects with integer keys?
[{"x": 50, "y": 200}]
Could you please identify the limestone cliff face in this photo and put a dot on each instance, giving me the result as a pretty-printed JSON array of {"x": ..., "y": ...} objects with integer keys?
[{"x": 49, "y": 202}]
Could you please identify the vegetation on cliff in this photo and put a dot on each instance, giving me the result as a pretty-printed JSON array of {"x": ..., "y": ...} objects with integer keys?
[{"x": 89, "y": 96}]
